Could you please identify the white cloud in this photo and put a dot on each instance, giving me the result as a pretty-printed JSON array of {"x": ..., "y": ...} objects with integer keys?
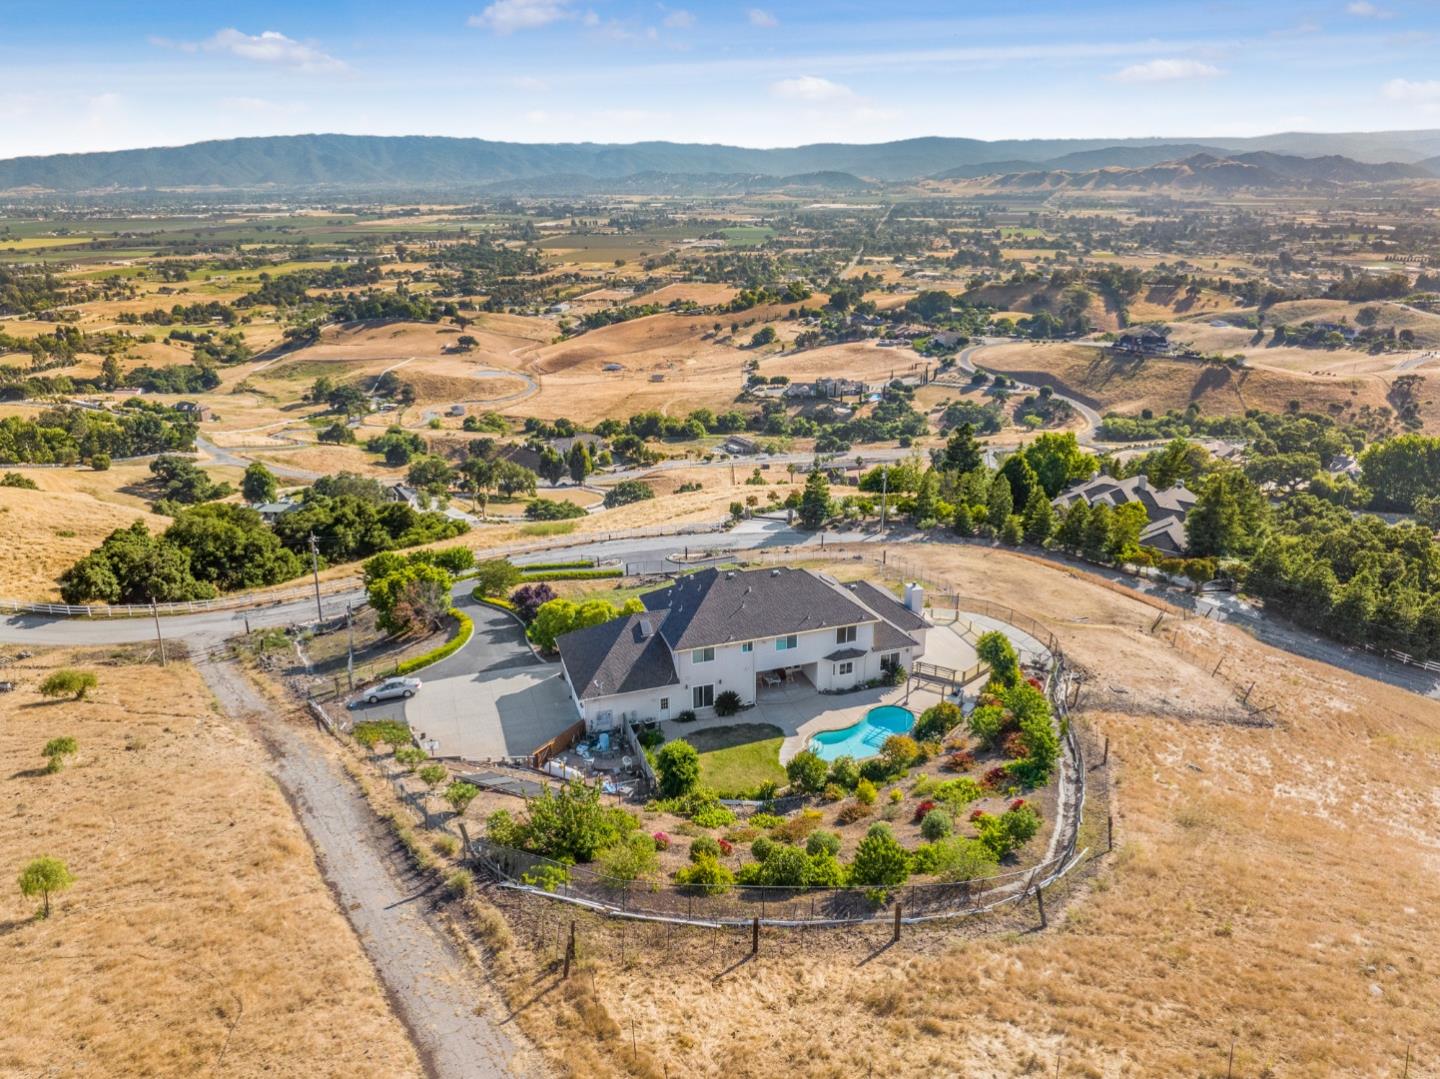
[
  {"x": 269, "y": 47},
  {"x": 762, "y": 18},
  {"x": 507, "y": 16},
  {"x": 810, "y": 88},
  {"x": 1166, "y": 71},
  {"x": 1363, "y": 9},
  {"x": 679, "y": 19},
  {"x": 1413, "y": 90}
]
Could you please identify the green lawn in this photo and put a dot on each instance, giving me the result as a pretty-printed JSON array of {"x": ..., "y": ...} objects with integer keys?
[{"x": 735, "y": 760}]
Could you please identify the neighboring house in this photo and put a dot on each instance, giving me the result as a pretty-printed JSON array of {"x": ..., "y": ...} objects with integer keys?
[
  {"x": 712, "y": 632},
  {"x": 270, "y": 512},
  {"x": 826, "y": 387},
  {"x": 526, "y": 453},
  {"x": 838, "y": 387},
  {"x": 1166, "y": 508},
  {"x": 739, "y": 444},
  {"x": 193, "y": 410},
  {"x": 1147, "y": 342},
  {"x": 400, "y": 492}
]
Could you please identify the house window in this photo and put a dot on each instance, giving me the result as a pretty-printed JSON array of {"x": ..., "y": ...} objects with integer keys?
[
  {"x": 703, "y": 655},
  {"x": 702, "y": 697},
  {"x": 785, "y": 644},
  {"x": 664, "y": 704},
  {"x": 845, "y": 635},
  {"x": 845, "y": 668},
  {"x": 890, "y": 661},
  {"x": 748, "y": 646}
]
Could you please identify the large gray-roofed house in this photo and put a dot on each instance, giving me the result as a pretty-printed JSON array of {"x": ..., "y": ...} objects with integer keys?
[
  {"x": 712, "y": 608},
  {"x": 714, "y": 632}
]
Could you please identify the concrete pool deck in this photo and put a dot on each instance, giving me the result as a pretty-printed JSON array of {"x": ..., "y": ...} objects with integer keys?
[{"x": 800, "y": 712}]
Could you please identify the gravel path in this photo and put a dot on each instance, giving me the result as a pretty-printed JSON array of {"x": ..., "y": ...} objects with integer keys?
[{"x": 451, "y": 1015}]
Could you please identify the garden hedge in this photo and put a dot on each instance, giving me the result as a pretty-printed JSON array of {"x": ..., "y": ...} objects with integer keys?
[
  {"x": 449, "y": 648},
  {"x": 571, "y": 574}
]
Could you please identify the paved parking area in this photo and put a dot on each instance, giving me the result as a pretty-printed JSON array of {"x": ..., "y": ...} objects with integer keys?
[
  {"x": 489, "y": 700},
  {"x": 492, "y": 714}
]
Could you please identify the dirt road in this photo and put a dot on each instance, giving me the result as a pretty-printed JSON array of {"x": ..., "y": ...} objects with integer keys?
[{"x": 452, "y": 1016}]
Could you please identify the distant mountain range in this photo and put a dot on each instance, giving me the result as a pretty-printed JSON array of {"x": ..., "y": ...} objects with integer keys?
[
  {"x": 365, "y": 162},
  {"x": 1261, "y": 171}
]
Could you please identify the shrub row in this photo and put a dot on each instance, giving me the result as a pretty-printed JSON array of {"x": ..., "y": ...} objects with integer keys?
[
  {"x": 571, "y": 574},
  {"x": 449, "y": 648},
  {"x": 574, "y": 563}
]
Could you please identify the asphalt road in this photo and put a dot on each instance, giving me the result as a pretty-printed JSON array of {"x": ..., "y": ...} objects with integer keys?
[{"x": 211, "y": 627}]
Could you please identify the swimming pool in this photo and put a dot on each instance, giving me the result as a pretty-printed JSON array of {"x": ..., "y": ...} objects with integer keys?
[{"x": 865, "y": 738}]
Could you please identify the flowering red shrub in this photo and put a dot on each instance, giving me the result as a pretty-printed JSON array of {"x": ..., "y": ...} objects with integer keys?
[
  {"x": 726, "y": 847},
  {"x": 1016, "y": 804},
  {"x": 994, "y": 779},
  {"x": 662, "y": 841},
  {"x": 1014, "y": 746},
  {"x": 978, "y": 814},
  {"x": 923, "y": 808},
  {"x": 961, "y": 761},
  {"x": 1035, "y": 682}
]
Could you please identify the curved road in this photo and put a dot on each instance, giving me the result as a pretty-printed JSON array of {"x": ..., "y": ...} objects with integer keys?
[{"x": 1086, "y": 436}]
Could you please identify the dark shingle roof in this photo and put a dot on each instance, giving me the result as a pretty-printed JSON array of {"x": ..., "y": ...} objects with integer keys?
[
  {"x": 846, "y": 653},
  {"x": 883, "y": 603},
  {"x": 617, "y": 657},
  {"x": 888, "y": 638},
  {"x": 713, "y": 608}
]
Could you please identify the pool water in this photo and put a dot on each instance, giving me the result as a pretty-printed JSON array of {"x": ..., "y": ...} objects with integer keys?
[{"x": 865, "y": 738}]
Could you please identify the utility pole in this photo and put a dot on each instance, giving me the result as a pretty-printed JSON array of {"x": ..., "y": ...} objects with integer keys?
[
  {"x": 350, "y": 659},
  {"x": 159, "y": 640},
  {"x": 884, "y": 490},
  {"x": 315, "y": 571}
]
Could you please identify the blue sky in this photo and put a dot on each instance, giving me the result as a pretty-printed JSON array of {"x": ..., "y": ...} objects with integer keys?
[{"x": 93, "y": 75}]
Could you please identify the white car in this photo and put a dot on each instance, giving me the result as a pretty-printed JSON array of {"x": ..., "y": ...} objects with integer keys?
[{"x": 391, "y": 689}]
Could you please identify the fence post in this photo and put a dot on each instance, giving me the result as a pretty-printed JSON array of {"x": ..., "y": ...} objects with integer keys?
[
  {"x": 1040, "y": 901},
  {"x": 569, "y": 951},
  {"x": 755, "y": 937},
  {"x": 898, "y": 908},
  {"x": 1110, "y": 831}
]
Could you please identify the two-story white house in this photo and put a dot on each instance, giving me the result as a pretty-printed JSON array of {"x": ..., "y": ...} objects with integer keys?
[{"x": 743, "y": 631}]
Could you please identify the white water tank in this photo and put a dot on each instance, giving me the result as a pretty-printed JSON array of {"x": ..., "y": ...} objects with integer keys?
[{"x": 915, "y": 597}]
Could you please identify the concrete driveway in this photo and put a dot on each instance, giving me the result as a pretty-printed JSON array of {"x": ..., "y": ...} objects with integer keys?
[{"x": 491, "y": 699}]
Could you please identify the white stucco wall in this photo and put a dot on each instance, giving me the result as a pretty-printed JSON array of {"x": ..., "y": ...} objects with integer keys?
[{"x": 735, "y": 669}]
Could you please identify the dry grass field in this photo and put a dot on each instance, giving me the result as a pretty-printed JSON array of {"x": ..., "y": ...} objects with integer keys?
[
  {"x": 1271, "y": 885},
  {"x": 1094, "y": 376},
  {"x": 199, "y": 937},
  {"x": 45, "y": 532}
]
